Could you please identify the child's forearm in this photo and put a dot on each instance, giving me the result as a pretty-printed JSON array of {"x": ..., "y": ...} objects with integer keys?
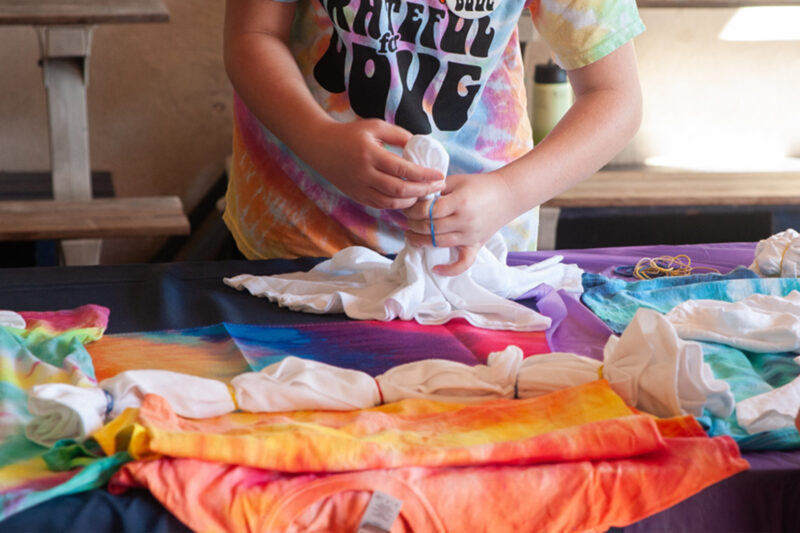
[
  {"x": 605, "y": 116},
  {"x": 265, "y": 74}
]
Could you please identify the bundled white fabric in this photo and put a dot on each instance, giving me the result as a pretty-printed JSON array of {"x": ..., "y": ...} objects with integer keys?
[
  {"x": 659, "y": 373},
  {"x": 298, "y": 384},
  {"x": 366, "y": 285},
  {"x": 63, "y": 411},
  {"x": 449, "y": 381},
  {"x": 550, "y": 372},
  {"x": 775, "y": 409},
  {"x": 758, "y": 323},
  {"x": 189, "y": 396},
  {"x": 648, "y": 366},
  {"x": 778, "y": 255},
  {"x": 427, "y": 152},
  {"x": 11, "y": 319}
]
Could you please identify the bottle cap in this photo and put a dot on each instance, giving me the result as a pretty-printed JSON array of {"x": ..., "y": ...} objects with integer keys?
[{"x": 549, "y": 73}]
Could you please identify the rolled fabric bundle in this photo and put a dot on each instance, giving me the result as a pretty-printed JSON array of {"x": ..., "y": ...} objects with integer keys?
[
  {"x": 759, "y": 323},
  {"x": 11, "y": 319},
  {"x": 649, "y": 366},
  {"x": 656, "y": 371},
  {"x": 294, "y": 384},
  {"x": 63, "y": 411},
  {"x": 778, "y": 255},
  {"x": 550, "y": 372},
  {"x": 775, "y": 409},
  {"x": 189, "y": 396},
  {"x": 427, "y": 152},
  {"x": 449, "y": 381}
]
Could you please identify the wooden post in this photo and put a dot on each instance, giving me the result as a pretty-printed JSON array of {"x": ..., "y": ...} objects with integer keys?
[{"x": 65, "y": 67}]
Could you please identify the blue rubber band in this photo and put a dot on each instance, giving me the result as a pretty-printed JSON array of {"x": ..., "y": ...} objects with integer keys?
[
  {"x": 109, "y": 402},
  {"x": 430, "y": 216}
]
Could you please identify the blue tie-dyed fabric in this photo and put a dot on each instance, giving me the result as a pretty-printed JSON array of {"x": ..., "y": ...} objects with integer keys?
[{"x": 615, "y": 301}]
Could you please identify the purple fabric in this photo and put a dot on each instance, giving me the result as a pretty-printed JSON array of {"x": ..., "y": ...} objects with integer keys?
[
  {"x": 575, "y": 328},
  {"x": 723, "y": 256}
]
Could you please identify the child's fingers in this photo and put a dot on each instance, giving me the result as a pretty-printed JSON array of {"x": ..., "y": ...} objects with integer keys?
[
  {"x": 390, "y": 133},
  {"x": 466, "y": 257},
  {"x": 421, "y": 211},
  {"x": 394, "y": 165}
]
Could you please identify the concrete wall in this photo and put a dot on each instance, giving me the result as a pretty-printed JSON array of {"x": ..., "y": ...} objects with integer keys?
[
  {"x": 160, "y": 104},
  {"x": 159, "y": 108},
  {"x": 712, "y": 104}
]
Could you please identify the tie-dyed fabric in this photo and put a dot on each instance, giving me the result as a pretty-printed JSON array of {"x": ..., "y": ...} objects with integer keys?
[
  {"x": 616, "y": 301},
  {"x": 50, "y": 350},
  {"x": 226, "y": 350},
  {"x": 448, "y": 68},
  {"x": 606, "y": 465}
]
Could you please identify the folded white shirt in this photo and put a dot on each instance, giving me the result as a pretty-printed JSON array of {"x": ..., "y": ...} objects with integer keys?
[
  {"x": 450, "y": 381},
  {"x": 648, "y": 366},
  {"x": 758, "y": 323},
  {"x": 778, "y": 255},
  {"x": 11, "y": 319},
  {"x": 298, "y": 384}
]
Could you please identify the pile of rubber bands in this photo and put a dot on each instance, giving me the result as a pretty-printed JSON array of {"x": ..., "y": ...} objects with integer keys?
[{"x": 665, "y": 265}]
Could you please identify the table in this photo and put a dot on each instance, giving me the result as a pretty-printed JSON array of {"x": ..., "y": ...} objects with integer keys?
[{"x": 184, "y": 295}]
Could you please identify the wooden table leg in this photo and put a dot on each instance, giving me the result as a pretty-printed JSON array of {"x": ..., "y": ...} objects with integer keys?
[{"x": 65, "y": 66}]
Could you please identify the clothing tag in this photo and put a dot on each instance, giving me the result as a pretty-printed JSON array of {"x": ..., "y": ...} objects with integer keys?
[{"x": 380, "y": 514}]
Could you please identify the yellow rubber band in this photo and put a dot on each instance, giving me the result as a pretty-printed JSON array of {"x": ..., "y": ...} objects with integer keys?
[{"x": 233, "y": 396}]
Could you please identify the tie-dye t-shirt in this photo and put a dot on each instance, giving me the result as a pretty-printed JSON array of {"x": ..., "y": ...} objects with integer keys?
[{"x": 448, "y": 68}]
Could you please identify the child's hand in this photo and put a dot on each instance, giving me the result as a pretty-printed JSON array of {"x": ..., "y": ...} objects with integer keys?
[
  {"x": 471, "y": 209},
  {"x": 353, "y": 158}
]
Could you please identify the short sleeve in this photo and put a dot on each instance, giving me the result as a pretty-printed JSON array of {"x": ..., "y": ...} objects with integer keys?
[{"x": 580, "y": 32}]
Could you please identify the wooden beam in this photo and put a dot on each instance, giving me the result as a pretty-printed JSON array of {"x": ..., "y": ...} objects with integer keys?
[
  {"x": 52, "y": 12},
  {"x": 644, "y": 187},
  {"x": 98, "y": 218}
]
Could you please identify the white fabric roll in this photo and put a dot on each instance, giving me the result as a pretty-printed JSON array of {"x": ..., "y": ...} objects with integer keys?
[
  {"x": 550, "y": 372},
  {"x": 11, "y": 319},
  {"x": 778, "y": 255},
  {"x": 427, "y": 152},
  {"x": 758, "y": 323},
  {"x": 64, "y": 411},
  {"x": 450, "y": 381},
  {"x": 775, "y": 409},
  {"x": 659, "y": 373},
  {"x": 299, "y": 384},
  {"x": 189, "y": 396},
  {"x": 648, "y": 366}
]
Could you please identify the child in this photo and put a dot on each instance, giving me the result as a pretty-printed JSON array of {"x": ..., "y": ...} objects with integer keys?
[{"x": 329, "y": 91}]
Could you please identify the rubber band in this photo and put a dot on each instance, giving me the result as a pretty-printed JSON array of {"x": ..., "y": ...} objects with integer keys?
[
  {"x": 665, "y": 265},
  {"x": 430, "y": 217},
  {"x": 232, "y": 392},
  {"x": 380, "y": 392},
  {"x": 109, "y": 403}
]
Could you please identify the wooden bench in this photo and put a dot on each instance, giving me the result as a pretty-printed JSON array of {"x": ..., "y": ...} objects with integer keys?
[
  {"x": 92, "y": 219},
  {"x": 64, "y": 29}
]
